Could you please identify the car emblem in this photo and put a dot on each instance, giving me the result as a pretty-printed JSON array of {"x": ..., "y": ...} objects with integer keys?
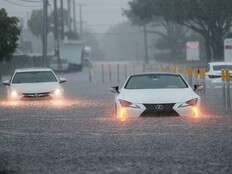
[{"x": 159, "y": 107}]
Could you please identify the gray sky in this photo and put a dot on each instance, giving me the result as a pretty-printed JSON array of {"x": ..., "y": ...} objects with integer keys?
[{"x": 98, "y": 15}]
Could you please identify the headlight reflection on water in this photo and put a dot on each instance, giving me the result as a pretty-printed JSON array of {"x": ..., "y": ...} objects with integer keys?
[
  {"x": 122, "y": 115},
  {"x": 196, "y": 112},
  {"x": 53, "y": 104}
]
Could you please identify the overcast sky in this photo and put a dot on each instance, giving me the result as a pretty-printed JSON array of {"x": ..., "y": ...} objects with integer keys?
[{"x": 99, "y": 15}]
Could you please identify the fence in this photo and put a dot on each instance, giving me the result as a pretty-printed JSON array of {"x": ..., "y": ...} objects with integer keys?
[{"x": 116, "y": 73}]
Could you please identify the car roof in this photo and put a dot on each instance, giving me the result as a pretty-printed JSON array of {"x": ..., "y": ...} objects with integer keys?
[
  {"x": 220, "y": 63},
  {"x": 32, "y": 69},
  {"x": 156, "y": 73}
]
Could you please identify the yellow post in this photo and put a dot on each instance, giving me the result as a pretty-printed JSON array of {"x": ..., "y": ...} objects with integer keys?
[
  {"x": 189, "y": 72},
  {"x": 227, "y": 75},
  {"x": 202, "y": 74},
  {"x": 161, "y": 68},
  {"x": 175, "y": 69},
  {"x": 223, "y": 75},
  {"x": 190, "y": 75},
  {"x": 196, "y": 73}
]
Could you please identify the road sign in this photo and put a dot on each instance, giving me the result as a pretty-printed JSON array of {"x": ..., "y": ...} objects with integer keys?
[
  {"x": 228, "y": 49},
  {"x": 193, "y": 51}
]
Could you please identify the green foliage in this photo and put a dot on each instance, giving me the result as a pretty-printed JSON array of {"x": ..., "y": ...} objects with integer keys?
[
  {"x": 9, "y": 32},
  {"x": 210, "y": 18},
  {"x": 36, "y": 21}
]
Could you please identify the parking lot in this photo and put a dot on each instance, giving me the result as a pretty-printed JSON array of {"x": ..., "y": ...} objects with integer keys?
[{"x": 81, "y": 135}]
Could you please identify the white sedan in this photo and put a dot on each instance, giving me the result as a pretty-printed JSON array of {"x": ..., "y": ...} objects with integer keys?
[
  {"x": 156, "y": 94},
  {"x": 214, "y": 71},
  {"x": 34, "y": 83}
]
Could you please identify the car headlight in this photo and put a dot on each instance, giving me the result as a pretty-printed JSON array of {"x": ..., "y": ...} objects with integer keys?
[
  {"x": 127, "y": 104},
  {"x": 14, "y": 94},
  {"x": 58, "y": 92},
  {"x": 192, "y": 102}
]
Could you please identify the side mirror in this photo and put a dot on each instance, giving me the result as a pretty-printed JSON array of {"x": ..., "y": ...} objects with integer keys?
[
  {"x": 115, "y": 90},
  {"x": 6, "y": 82},
  {"x": 198, "y": 88},
  {"x": 62, "y": 80}
]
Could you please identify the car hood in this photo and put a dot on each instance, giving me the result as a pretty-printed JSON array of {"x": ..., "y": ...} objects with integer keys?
[
  {"x": 35, "y": 87},
  {"x": 158, "y": 95}
]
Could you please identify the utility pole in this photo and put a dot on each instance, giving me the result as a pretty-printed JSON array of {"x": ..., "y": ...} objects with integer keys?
[
  {"x": 69, "y": 16},
  {"x": 81, "y": 20},
  {"x": 56, "y": 34},
  {"x": 62, "y": 18},
  {"x": 146, "y": 58},
  {"x": 74, "y": 17},
  {"x": 45, "y": 32}
]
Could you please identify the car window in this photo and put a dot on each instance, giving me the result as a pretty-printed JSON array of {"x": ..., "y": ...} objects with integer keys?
[
  {"x": 221, "y": 67},
  {"x": 155, "y": 81},
  {"x": 34, "y": 77}
]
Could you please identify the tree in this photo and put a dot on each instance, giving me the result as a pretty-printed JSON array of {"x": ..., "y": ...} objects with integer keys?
[
  {"x": 9, "y": 32},
  {"x": 172, "y": 39},
  {"x": 172, "y": 35},
  {"x": 35, "y": 22},
  {"x": 123, "y": 41},
  {"x": 210, "y": 18}
]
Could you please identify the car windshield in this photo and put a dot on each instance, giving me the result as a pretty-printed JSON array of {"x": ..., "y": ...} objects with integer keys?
[
  {"x": 34, "y": 77},
  {"x": 221, "y": 67},
  {"x": 156, "y": 81}
]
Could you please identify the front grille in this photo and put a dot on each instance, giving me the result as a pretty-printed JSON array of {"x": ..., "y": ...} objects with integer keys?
[
  {"x": 36, "y": 95},
  {"x": 159, "y": 110}
]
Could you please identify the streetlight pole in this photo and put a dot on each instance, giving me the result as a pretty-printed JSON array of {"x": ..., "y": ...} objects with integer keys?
[
  {"x": 62, "y": 18},
  {"x": 56, "y": 35},
  {"x": 74, "y": 17},
  {"x": 45, "y": 32},
  {"x": 69, "y": 16},
  {"x": 146, "y": 58},
  {"x": 81, "y": 20}
]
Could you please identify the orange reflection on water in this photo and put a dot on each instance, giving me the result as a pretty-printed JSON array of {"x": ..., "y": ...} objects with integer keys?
[
  {"x": 196, "y": 112},
  {"x": 61, "y": 103},
  {"x": 122, "y": 115}
]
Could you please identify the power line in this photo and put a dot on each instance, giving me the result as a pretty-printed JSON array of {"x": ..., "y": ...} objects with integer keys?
[
  {"x": 20, "y": 5},
  {"x": 31, "y": 1},
  {"x": 116, "y": 33}
]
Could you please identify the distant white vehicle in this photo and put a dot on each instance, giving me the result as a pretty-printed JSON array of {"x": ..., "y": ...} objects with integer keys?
[
  {"x": 214, "y": 70},
  {"x": 34, "y": 83},
  {"x": 71, "y": 56},
  {"x": 156, "y": 94}
]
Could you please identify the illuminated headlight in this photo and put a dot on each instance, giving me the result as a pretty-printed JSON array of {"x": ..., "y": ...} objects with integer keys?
[
  {"x": 14, "y": 94},
  {"x": 127, "y": 104},
  {"x": 192, "y": 102},
  {"x": 58, "y": 92}
]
